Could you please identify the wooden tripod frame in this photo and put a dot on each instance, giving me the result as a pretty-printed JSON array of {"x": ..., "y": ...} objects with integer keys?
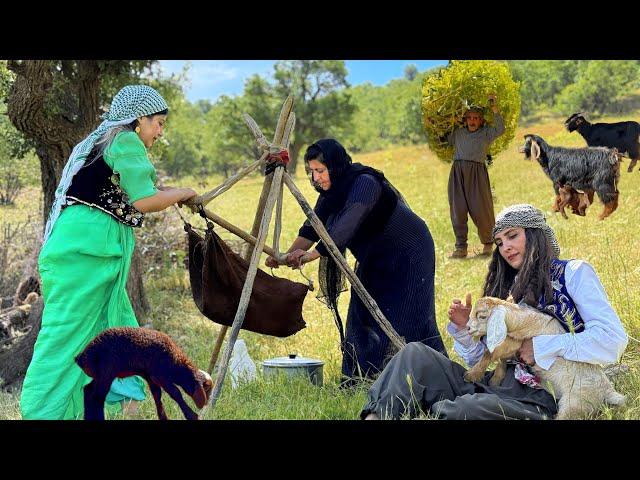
[{"x": 272, "y": 195}]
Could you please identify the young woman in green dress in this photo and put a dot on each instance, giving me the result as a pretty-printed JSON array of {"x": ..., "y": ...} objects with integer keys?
[{"x": 106, "y": 188}]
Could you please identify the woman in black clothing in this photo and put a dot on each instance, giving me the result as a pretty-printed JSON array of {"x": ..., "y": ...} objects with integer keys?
[{"x": 395, "y": 257}]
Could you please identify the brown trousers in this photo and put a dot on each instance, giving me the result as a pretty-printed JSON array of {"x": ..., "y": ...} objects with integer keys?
[{"x": 470, "y": 193}]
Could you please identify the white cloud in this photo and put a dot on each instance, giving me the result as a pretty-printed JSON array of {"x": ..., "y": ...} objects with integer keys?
[
  {"x": 212, "y": 78},
  {"x": 207, "y": 73}
]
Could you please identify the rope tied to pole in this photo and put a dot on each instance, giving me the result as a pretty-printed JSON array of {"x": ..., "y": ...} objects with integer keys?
[{"x": 277, "y": 159}]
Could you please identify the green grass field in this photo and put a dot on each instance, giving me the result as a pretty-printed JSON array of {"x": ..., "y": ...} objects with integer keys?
[{"x": 611, "y": 246}]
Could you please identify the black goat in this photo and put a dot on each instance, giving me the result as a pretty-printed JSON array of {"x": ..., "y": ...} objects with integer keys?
[
  {"x": 125, "y": 351},
  {"x": 587, "y": 168},
  {"x": 624, "y": 136}
]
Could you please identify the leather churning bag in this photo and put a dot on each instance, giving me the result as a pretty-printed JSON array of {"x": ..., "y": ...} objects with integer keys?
[{"x": 217, "y": 275}]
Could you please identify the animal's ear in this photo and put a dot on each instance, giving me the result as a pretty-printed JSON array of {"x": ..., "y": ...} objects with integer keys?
[
  {"x": 199, "y": 396},
  {"x": 496, "y": 328},
  {"x": 535, "y": 149},
  {"x": 202, "y": 390}
]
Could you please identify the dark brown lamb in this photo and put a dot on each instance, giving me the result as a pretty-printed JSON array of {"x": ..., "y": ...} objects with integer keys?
[{"x": 125, "y": 351}]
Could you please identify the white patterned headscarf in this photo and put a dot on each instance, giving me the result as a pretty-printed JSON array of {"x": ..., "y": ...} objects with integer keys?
[
  {"x": 130, "y": 103},
  {"x": 526, "y": 216}
]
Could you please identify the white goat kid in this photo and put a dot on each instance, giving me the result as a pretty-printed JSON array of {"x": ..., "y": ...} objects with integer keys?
[{"x": 580, "y": 388}]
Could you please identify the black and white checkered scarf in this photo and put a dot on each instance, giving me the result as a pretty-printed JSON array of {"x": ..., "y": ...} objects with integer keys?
[{"x": 526, "y": 216}]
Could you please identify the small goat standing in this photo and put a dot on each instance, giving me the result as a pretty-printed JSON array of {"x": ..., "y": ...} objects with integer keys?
[
  {"x": 577, "y": 201},
  {"x": 587, "y": 168},
  {"x": 125, "y": 351},
  {"x": 579, "y": 387},
  {"x": 624, "y": 136}
]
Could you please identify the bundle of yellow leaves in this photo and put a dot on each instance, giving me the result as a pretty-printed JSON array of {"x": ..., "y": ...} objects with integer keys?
[{"x": 450, "y": 92}]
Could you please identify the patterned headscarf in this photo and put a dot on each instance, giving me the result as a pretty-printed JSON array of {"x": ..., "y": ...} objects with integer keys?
[
  {"x": 526, "y": 216},
  {"x": 130, "y": 103}
]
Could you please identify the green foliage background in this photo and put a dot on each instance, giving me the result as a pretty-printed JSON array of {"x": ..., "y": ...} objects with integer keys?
[{"x": 210, "y": 137}]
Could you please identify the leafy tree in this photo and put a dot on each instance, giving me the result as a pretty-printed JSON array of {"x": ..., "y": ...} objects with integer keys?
[
  {"x": 226, "y": 141},
  {"x": 541, "y": 81},
  {"x": 567, "y": 86},
  {"x": 229, "y": 142},
  {"x": 598, "y": 84},
  {"x": 322, "y": 106},
  {"x": 410, "y": 72},
  {"x": 368, "y": 128},
  {"x": 15, "y": 172},
  {"x": 204, "y": 105},
  {"x": 181, "y": 151}
]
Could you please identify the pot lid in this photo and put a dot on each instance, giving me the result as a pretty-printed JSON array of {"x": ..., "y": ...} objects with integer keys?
[{"x": 293, "y": 360}]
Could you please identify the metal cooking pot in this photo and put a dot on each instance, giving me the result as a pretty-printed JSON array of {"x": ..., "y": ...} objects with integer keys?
[{"x": 293, "y": 365}]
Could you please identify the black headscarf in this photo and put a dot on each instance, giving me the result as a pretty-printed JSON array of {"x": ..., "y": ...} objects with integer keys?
[{"x": 343, "y": 173}]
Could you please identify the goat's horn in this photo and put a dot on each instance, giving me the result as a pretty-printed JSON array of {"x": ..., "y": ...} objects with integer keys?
[{"x": 535, "y": 149}]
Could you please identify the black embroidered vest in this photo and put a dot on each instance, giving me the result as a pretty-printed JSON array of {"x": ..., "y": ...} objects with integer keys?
[
  {"x": 96, "y": 185},
  {"x": 562, "y": 306}
]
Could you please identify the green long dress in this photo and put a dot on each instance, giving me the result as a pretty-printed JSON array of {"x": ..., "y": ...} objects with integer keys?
[{"x": 84, "y": 267}]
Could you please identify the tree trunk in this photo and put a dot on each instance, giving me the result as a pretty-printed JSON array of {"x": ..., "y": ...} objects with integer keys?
[
  {"x": 135, "y": 288},
  {"x": 15, "y": 360},
  {"x": 294, "y": 152},
  {"x": 55, "y": 134},
  {"x": 50, "y": 173}
]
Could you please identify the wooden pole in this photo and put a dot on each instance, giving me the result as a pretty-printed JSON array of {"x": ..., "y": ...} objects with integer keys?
[
  {"x": 247, "y": 255},
  {"x": 238, "y": 231},
  {"x": 277, "y": 228},
  {"x": 284, "y": 127},
  {"x": 229, "y": 182},
  {"x": 216, "y": 348},
  {"x": 246, "y": 290}
]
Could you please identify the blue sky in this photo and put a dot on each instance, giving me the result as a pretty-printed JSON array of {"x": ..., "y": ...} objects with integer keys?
[{"x": 208, "y": 79}]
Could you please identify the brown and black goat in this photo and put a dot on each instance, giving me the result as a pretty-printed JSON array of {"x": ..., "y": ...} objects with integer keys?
[
  {"x": 576, "y": 200},
  {"x": 589, "y": 169}
]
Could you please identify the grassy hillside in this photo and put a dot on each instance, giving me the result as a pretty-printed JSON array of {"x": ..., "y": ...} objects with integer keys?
[{"x": 610, "y": 246}]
